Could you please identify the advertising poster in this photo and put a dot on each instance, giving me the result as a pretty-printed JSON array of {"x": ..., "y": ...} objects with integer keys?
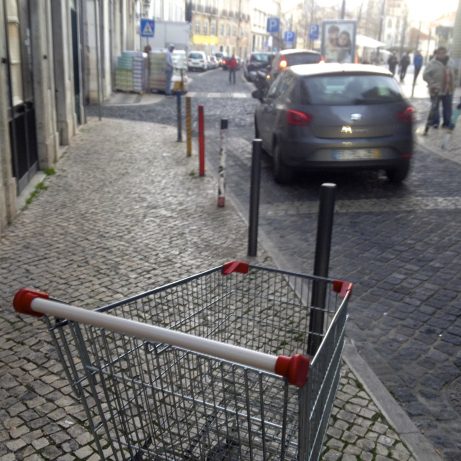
[{"x": 338, "y": 40}]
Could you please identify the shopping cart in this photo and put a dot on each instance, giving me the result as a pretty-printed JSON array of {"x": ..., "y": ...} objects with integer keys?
[{"x": 211, "y": 367}]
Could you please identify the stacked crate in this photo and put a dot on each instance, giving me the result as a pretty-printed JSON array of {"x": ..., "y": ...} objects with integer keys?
[
  {"x": 130, "y": 72},
  {"x": 157, "y": 68}
]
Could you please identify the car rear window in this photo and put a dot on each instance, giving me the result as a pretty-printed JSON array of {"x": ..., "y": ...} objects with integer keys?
[
  {"x": 260, "y": 57},
  {"x": 302, "y": 58},
  {"x": 195, "y": 56},
  {"x": 349, "y": 89}
]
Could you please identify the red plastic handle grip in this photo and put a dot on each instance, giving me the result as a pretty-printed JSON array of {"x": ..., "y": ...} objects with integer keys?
[
  {"x": 22, "y": 301},
  {"x": 235, "y": 266},
  {"x": 294, "y": 368}
]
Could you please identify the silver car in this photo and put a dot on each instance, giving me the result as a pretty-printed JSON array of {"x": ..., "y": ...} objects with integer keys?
[{"x": 335, "y": 116}]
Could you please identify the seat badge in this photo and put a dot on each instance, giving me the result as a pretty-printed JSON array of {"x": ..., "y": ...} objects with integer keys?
[{"x": 346, "y": 130}]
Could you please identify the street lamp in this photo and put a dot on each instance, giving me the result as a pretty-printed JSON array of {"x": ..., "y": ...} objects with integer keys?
[{"x": 343, "y": 9}]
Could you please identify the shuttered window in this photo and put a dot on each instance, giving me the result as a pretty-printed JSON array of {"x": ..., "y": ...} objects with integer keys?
[{"x": 14, "y": 48}]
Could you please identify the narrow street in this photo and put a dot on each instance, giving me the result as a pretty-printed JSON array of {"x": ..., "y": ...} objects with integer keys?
[{"x": 400, "y": 245}]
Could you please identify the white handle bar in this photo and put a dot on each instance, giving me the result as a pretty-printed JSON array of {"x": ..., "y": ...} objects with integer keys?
[{"x": 36, "y": 303}]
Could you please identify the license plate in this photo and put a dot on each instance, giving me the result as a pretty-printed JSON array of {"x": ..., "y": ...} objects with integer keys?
[{"x": 356, "y": 154}]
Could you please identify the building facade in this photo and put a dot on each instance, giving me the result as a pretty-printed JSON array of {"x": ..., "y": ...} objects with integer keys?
[
  {"x": 221, "y": 26},
  {"x": 56, "y": 56}
]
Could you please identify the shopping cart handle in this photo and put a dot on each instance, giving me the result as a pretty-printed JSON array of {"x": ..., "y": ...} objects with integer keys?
[
  {"x": 37, "y": 303},
  {"x": 22, "y": 301}
]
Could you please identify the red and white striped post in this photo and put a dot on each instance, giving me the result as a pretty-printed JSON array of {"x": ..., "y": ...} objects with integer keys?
[
  {"x": 201, "y": 141},
  {"x": 222, "y": 164}
]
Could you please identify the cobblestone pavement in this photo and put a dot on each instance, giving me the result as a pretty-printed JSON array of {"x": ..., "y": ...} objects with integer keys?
[{"x": 125, "y": 212}]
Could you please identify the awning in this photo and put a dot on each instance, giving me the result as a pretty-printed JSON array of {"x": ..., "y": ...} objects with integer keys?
[{"x": 368, "y": 42}]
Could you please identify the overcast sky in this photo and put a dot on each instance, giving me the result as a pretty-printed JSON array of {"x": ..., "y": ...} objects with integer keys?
[{"x": 419, "y": 9}]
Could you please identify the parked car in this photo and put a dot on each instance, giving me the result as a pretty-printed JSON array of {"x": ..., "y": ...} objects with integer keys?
[
  {"x": 292, "y": 57},
  {"x": 212, "y": 62},
  {"x": 256, "y": 61},
  {"x": 197, "y": 60},
  {"x": 224, "y": 61},
  {"x": 335, "y": 117},
  {"x": 218, "y": 55}
]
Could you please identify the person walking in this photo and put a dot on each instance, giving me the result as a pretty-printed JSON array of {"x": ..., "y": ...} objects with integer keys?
[
  {"x": 392, "y": 63},
  {"x": 403, "y": 66},
  {"x": 418, "y": 64},
  {"x": 169, "y": 69},
  {"x": 232, "y": 65},
  {"x": 440, "y": 80}
]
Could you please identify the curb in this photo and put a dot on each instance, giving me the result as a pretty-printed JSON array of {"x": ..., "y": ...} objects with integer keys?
[
  {"x": 418, "y": 444},
  {"x": 408, "y": 432}
]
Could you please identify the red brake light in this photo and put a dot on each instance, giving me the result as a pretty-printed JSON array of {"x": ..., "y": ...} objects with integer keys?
[
  {"x": 298, "y": 118},
  {"x": 283, "y": 63},
  {"x": 406, "y": 115}
]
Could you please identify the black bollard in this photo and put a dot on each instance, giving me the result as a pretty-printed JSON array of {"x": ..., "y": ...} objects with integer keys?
[
  {"x": 255, "y": 187},
  {"x": 179, "y": 111},
  {"x": 321, "y": 265}
]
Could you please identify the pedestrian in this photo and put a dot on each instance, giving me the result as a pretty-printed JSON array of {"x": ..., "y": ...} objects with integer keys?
[
  {"x": 440, "y": 81},
  {"x": 403, "y": 66},
  {"x": 418, "y": 64},
  {"x": 169, "y": 69},
  {"x": 232, "y": 66},
  {"x": 392, "y": 63}
]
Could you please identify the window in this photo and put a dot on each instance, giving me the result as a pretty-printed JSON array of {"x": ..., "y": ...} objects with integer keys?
[
  {"x": 205, "y": 28},
  {"x": 349, "y": 89},
  {"x": 213, "y": 28},
  {"x": 228, "y": 30},
  {"x": 197, "y": 27},
  {"x": 14, "y": 48},
  {"x": 221, "y": 30}
]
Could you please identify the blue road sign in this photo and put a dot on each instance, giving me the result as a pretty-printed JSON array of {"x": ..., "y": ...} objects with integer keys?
[
  {"x": 289, "y": 37},
  {"x": 314, "y": 31},
  {"x": 147, "y": 28},
  {"x": 273, "y": 25}
]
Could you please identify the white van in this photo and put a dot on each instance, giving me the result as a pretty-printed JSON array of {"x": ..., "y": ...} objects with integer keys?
[{"x": 197, "y": 60}]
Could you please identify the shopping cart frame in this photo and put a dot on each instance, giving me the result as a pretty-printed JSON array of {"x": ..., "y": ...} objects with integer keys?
[{"x": 315, "y": 397}]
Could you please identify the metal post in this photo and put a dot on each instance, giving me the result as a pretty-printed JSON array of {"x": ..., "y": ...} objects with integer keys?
[
  {"x": 201, "y": 141},
  {"x": 188, "y": 126},
  {"x": 222, "y": 164},
  {"x": 255, "y": 186},
  {"x": 179, "y": 111},
  {"x": 98, "y": 57},
  {"x": 321, "y": 265}
]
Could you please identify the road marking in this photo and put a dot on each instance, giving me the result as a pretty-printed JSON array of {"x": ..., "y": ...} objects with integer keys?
[
  {"x": 366, "y": 205},
  {"x": 218, "y": 95}
]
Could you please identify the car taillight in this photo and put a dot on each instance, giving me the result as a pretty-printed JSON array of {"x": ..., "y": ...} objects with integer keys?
[
  {"x": 298, "y": 118},
  {"x": 406, "y": 115},
  {"x": 283, "y": 64}
]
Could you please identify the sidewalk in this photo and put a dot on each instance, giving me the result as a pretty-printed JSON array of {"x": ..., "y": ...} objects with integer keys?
[{"x": 126, "y": 212}]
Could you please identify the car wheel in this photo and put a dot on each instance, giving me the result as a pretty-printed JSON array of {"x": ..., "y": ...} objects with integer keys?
[
  {"x": 283, "y": 174},
  {"x": 397, "y": 175}
]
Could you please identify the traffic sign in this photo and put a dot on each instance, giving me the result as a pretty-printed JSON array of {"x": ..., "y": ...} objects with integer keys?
[
  {"x": 273, "y": 25},
  {"x": 147, "y": 28},
  {"x": 314, "y": 31},
  {"x": 289, "y": 37}
]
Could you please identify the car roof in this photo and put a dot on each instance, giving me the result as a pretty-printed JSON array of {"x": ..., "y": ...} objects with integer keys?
[
  {"x": 297, "y": 50},
  {"x": 336, "y": 68}
]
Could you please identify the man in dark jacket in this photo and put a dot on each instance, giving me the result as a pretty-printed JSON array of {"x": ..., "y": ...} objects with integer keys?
[
  {"x": 403, "y": 66},
  {"x": 392, "y": 63}
]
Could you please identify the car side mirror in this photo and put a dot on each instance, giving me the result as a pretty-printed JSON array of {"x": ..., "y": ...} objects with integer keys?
[{"x": 258, "y": 94}]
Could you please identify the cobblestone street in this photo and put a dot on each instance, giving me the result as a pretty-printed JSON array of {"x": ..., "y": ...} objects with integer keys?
[{"x": 125, "y": 212}]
